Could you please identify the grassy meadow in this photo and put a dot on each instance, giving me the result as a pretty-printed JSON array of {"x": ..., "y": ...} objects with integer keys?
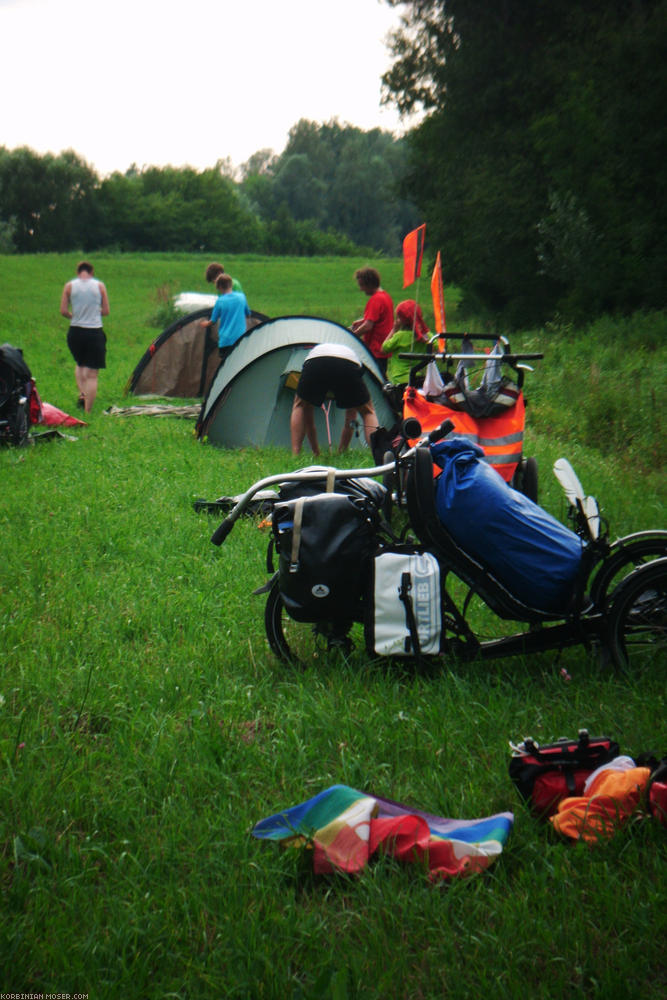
[{"x": 145, "y": 727}]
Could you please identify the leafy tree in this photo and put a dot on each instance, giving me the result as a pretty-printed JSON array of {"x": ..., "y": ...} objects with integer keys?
[
  {"x": 341, "y": 179},
  {"x": 51, "y": 200},
  {"x": 261, "y": 163},
  {"x": 538, "y": 164},
  {"x": 169, "y": 208},
  {"x": 335, "y": 189},
  {"x": 296, "y": 185}
]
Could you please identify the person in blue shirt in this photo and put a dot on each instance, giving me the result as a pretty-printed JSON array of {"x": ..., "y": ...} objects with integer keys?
[{"x": 229, "y": 312}]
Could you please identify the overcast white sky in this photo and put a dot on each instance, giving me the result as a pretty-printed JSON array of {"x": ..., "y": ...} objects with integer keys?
[{"x": 156, "y": 83}]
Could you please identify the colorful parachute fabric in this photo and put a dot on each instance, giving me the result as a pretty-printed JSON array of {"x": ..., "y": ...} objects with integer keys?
[{"x": 346, "y": 827}]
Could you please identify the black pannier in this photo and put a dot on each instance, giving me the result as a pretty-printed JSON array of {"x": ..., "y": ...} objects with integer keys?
[{"x": 324, "y": 544}]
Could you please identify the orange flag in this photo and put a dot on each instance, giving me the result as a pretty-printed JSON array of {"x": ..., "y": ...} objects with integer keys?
[
  {"x": 413, "y": 251},
  {"x": 438, "y": 296}
]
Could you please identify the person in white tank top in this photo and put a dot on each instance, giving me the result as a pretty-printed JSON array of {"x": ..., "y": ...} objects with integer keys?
[{"x": 84, "y": 302}]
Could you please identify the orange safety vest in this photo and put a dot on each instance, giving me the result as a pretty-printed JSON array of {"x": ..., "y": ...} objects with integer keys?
[{"x": 501, "y": 438}]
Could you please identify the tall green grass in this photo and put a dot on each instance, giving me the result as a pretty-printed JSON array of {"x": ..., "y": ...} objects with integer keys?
[{"x": 145, "y": 726}]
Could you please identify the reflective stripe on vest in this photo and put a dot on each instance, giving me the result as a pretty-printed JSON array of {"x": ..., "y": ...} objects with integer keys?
[{"x": 501, "y": 438}]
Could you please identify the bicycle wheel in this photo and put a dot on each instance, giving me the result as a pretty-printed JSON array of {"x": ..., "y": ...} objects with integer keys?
[
  {"x": 301, "y": 643},
  {"x": 626, "y": 555},
  {"x": 638, "y": 616}
]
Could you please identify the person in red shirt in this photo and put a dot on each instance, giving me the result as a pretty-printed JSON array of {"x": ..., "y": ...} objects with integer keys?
[{"x": 378, "y": 319}]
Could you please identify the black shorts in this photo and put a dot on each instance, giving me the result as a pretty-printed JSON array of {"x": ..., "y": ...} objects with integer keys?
[
  {"x": 87, "y": 346},
  {"x": 342, "y": 378}
]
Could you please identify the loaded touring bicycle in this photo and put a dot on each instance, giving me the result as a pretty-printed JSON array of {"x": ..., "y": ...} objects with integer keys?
[{"x": 344, "y": 578}]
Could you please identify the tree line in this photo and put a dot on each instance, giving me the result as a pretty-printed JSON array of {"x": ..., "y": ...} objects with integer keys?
[
  {"x": 335, "y": 189},
  {"x": 539, "y": 162}
]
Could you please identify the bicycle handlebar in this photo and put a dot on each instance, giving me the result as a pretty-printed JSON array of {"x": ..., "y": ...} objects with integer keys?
[
  {"x": 222, "y": 530},
  {"x": 440, "y": 432},
  {"x": 312, "y": 475}
]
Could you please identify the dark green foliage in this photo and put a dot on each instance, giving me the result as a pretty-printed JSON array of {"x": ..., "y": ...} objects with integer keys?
[
  {"x": 46, "y": 202},
  {"x": 333, "y": 191},
  {"x": 540, "y": 165},
  {"x": 164, "y": 208},
  {"x": 338, "y": 178}
]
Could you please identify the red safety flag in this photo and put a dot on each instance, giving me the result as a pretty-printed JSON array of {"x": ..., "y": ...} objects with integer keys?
[
  {"x": 438, "y": 296},
  {"x": 413, "y": 251}
]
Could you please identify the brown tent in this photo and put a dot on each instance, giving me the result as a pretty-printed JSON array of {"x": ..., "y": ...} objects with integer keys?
[{"x": 182, "y": 361}]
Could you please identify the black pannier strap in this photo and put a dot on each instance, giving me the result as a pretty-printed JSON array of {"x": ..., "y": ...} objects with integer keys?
[{"x": 412, "y": 643}]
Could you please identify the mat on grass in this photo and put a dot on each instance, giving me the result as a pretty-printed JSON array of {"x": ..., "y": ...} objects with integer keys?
[{"x": 153, "y": 410}]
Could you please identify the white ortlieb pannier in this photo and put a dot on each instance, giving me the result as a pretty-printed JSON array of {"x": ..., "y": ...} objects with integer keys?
[{"x": 405, "y": 615}]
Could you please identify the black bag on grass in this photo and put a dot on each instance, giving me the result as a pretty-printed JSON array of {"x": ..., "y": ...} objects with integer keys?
[{"x": 15, "y": 390}]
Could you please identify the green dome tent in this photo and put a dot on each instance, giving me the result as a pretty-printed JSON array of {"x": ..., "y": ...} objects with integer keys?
[{"x": 250, "y": 398}]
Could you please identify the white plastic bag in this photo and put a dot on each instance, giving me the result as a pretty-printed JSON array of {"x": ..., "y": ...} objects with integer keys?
[{"x": 433, "y": 384}]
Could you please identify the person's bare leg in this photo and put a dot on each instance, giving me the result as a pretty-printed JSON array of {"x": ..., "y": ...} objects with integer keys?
[
  {"x": 302, "y": 423},
  {"x": 370, "y": 421},
  {"x": 346, "y": 433},
  {"x": 89, "y": 387},
  {"x": 80, "y": 380},
  {"x": 297, "y": 426},
  {"x": 311, "y": 433}
]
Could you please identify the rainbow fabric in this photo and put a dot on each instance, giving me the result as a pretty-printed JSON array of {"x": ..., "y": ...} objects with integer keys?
[{"x": 346, "y": 827}]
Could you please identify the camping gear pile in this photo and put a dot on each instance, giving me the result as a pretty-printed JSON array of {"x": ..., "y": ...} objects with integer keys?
[
  {"x": 21, "y": 406},
  {"x": 16, "y": 391},
  {"x": 586, "y": 788}
]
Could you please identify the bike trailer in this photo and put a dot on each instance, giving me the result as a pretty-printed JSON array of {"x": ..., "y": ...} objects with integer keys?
[
  {"x": 499, "y": 437},
  {"x": 492, "y": 415}
]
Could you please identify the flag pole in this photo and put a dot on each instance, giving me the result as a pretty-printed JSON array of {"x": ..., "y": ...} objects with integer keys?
[{"x": 414, "y": 315}]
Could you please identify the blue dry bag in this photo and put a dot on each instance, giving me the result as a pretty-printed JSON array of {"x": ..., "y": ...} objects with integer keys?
[{"x": 530, "y": 552}]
